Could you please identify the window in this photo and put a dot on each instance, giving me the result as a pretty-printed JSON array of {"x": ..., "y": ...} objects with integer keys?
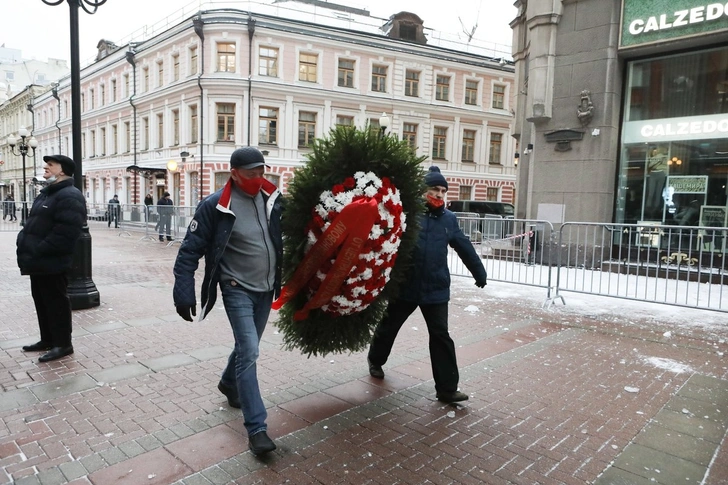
[
  {"x": 268, "y": 62},
  {"x": 409, "y": 134},
  {"x": 374, "y": 125},
  {"x": 175, "y": 127},
  {"x": 83, "y": 101},
  {"x": 225, "y": 57},
  {"x": 307, "y": 65},
  {"x": 114, "y": 139},
  {"x": 379, "y": 79},
  {"x": 83, "y": 144},
  {"x": 102, "y": 95},
  {"x": 499, "y": 94},
  {"x": 193, "y": 60},
  {"x": 346, "y": 73},
  {"x": 267, "y": 126},
  {"x": 342, "y": 120},
  {"x": 225, "y": 122},
  {"x": 491, "y": 193},
  {"x": 411, "y": 83},
  {"x": 442, "y": 89},
  {"x": 127, "y": 136},
  {"x": 93, "y": 143},
  {"x": 145, "y": 76},
  {"x": 439, "y": 140},
  {"x": 160, "y": 130},
  {"x": 113, "y": 90},
  {"x": 193, "y": 124},
  {"x": 103, "y": 142},
  {"x": 145, "y": 133},
  {"x": 407, "y": 32},
  {"x": 468, "y": 146},
  {"x": 9, "y": 76},
  {"x": 160, "y": 74},
  {"x": 221, "y": 179},
  {"x": 175, "y": 67},
  {"x": 465, "y": 192},
  {"x": 194, "y": 188},
  {"x": 306, "y": 128},
  {"x": 496, "y": 141},
  {"x": 91, "y": 97},
  {"x": 127, "y": 91},
  {"x": 65, "y": 106},
  {"x": 471, "y": 92}
]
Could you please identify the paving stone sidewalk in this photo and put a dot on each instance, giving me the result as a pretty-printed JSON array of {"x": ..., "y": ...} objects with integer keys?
[{"x": 556, "y": 397}]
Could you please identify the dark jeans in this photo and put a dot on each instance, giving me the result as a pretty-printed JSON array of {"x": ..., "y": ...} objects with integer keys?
[
  {"x": 248, "y": 313},
  {"x": 442, "y": 349},
  {"x": 50, "y": 295}
]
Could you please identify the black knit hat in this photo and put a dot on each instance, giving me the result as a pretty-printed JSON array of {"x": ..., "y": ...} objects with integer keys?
[
  {"x": 435, "y": 178},
  {"x": 67, "y": 165},
  {"x": 247, "y": 157}
]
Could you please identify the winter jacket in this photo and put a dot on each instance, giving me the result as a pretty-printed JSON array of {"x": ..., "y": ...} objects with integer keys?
[
  {"x": 164, "y": 206},
  {"x": 48, "y": 239},
  {"x": 428, "y": 280},
  {"x": 208, "y": 235}
]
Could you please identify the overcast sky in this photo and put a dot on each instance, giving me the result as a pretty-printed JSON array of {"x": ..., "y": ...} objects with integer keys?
[{"x": 42, "y": 31}]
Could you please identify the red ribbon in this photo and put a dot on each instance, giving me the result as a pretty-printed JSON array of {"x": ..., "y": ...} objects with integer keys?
[{"x": 347, "y": 233}]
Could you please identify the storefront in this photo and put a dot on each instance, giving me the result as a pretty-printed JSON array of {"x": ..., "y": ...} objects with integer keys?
[{"x": 673, "y": 166}]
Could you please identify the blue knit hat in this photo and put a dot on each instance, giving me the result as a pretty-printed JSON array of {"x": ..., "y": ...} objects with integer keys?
[{"x": 434, "y": 178}]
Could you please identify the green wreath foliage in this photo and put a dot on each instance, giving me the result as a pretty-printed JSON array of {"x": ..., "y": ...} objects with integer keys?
[{"x": 345, "y": 151}]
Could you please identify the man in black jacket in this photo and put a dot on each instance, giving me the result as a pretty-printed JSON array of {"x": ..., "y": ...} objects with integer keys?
[
  {"x": 165, "y": 210},
  {"x": 114, "y": 210},
  {"x": 45, "y": 252}
]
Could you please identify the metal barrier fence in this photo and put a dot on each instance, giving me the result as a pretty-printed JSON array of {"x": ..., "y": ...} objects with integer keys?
[
  {"x": 12, "y": 215},
  {"x": 513, "y": 250},
  {"x": 147, "y": 222},
  {"x": 674, "y": 265}
]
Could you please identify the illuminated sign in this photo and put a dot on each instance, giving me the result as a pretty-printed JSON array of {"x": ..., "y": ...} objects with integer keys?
[
  {"x": 674, "y": 129},
  {"x": 660, "y": 20}
]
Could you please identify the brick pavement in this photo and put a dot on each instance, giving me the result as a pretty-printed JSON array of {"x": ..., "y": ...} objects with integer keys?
[{"x": 556, "y": 397}]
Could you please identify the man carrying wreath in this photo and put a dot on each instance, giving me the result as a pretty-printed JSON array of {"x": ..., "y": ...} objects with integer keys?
[
  {"x": 238, "y": 231},
  {"x": 428, "y": 287}
]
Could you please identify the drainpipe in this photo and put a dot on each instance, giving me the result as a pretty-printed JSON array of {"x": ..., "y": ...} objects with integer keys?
[
  {"x": 198, "y": 24},
  {"x": 251, "y": 33},
  {"x": 54, "y": 92},
  {"x": 130, "y": 54}
]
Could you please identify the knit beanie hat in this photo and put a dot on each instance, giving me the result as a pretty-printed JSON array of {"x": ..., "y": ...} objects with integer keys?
[{"x": 435, "y": 178}]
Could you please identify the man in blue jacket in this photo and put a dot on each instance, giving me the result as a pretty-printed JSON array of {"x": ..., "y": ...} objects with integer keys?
[
  {"x": 45, "y": 252},
  {"x": 238, "y": 231},
  {"x": 428, "y": 287}
]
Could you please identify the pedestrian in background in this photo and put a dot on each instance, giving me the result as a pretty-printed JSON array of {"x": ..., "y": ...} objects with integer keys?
[
  {"x": 114, "y": 210},
  {"x": 45, "y": 247},
  {"x": 165, "y": 210},
  {"x": 9, "y": 208},
  {"x": 148, "y": 202},
  {"x": 237, "y": 229},
  {"x": 428, "y": 287}
]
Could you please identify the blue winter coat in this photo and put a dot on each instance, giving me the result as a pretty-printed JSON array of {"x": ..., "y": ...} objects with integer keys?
[
  {"x": 48, "y": 239},
  {"x": 208, "y": 235},
  {"x": 428, "y": 280}
]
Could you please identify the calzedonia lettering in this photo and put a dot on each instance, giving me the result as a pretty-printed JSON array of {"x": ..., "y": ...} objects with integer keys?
[
  {"x": 678, "y": 128},
  {"x": 680, "y": 18}
]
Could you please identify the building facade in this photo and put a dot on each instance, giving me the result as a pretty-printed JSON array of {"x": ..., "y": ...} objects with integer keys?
[
  {"x": 166, "y": 113},
  {"x": 622, "y": 113}
]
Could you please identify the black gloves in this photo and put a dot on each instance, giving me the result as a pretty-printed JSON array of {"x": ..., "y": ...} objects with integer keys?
[
  {"x": 479, "y": 284},
  {"x": 185, "y": 310}
]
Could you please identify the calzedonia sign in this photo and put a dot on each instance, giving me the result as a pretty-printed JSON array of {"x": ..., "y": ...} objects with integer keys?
[{"x": 650, "y": 21}]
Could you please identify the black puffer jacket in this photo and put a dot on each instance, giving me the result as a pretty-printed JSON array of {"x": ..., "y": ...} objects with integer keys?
[{"x": 48, "y": 238}]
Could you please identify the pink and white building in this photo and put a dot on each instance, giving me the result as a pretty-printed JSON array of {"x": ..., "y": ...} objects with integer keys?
[{"x": 167, "y": 112}]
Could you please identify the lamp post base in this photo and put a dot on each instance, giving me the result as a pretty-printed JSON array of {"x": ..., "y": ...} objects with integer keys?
[{"x": 81, "y": 288}]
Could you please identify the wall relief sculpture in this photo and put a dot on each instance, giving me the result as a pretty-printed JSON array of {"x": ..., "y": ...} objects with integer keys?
[{"x": 585, "y": 111}]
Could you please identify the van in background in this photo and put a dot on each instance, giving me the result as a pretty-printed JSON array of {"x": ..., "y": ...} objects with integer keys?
[{"x": 483, "y": 207}]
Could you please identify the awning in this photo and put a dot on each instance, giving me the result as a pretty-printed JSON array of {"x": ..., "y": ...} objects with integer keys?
[{"x": 146, "y": 171}]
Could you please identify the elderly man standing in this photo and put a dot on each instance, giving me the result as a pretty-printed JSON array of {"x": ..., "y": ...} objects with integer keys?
[
  {"x": 237, "y": 229},
  {"x": 45, "y": 252}
]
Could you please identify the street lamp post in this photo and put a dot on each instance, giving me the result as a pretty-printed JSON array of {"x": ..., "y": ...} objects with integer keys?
[
  {"x": 24, "y": 144},
  {"x": 383, "y": 123},
  {"x": 81, "y": 288}
]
